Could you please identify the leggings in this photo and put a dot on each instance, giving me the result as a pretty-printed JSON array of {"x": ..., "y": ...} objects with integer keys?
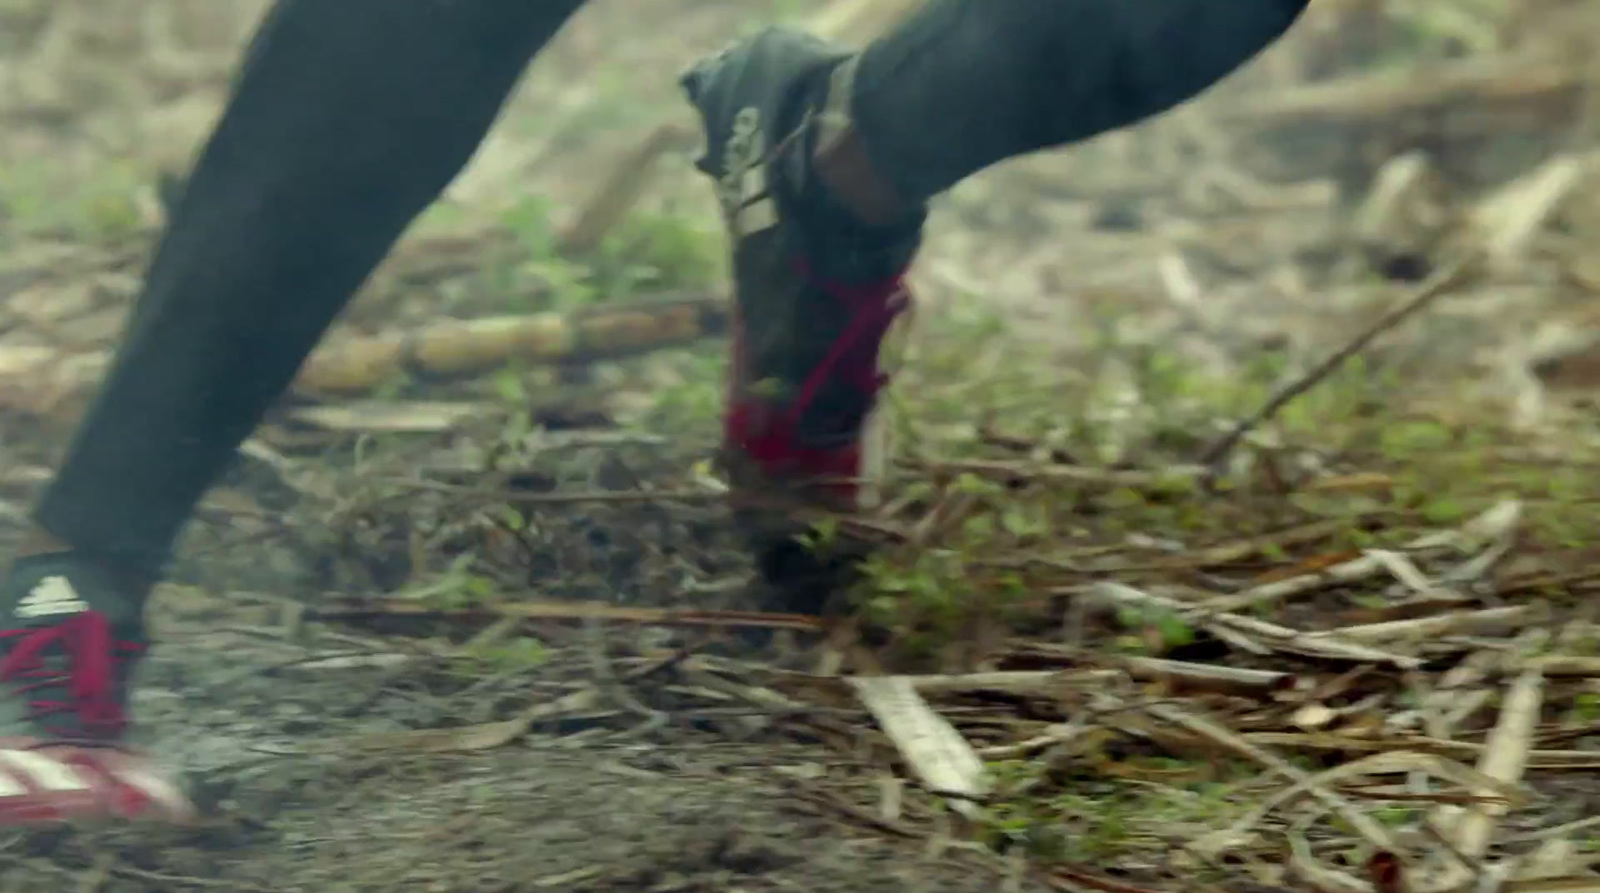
[{"x": 350, "y": 117}]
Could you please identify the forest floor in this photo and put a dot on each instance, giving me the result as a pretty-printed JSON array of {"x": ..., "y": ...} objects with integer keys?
[{"x": 491, "y": 629}]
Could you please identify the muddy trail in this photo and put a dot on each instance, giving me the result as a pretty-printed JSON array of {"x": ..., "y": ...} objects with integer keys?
[{"x": 1161, "y": 598}]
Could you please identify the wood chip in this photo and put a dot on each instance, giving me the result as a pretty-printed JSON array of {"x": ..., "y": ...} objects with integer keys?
[{"x": 936, "y": 752}]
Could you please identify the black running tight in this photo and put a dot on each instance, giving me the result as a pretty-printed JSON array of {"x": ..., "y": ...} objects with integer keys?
[{"x": 351, "y": 116}]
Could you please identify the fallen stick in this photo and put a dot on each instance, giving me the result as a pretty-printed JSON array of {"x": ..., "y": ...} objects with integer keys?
[
  {"x": 354, "y": 609},
  {"x": 369, "y": 416},
  {"x": 1277, "y": 590},
  {"x": 1304, "y": 782},
  {"x": 465, "y": 347},
  {"x": 1204, "y": 677},
  {"x": 1456, "y": 623},
  {"x": 1383, "y": 97},
  {"x": 1174, "y": 476},
  {"x": 1492, "y": 525},
  {"x": 510, "y": 496},
  {"x": 1007, "y": 681},
  {"x": 1441, "y": 283},
  {"x": 1509, "y": 219},
  {"x": 47, "y": 381},
  {"x": 931, "y": 746},
  {"x": 1216, "y": 843},
  {"x": 1567, "y": 666},
  {"x": 1505, "y": 760},
  {"x": 483, "y": 736},
  {"x": 1187, "y": 676},
  {"x": 1075, "y": 880},
  {"x": 1281, "y": 638},
  {"x": 621, "y": 190},
  {"x": 1548, "y": 759}
]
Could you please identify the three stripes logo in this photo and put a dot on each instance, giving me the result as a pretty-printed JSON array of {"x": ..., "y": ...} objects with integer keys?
[
  {"x": 742, "y": 189},
  {"x": 49, "y": 597}
]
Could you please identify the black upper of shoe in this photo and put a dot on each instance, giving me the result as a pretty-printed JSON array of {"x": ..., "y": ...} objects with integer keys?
[{"x": 69, "y": 638}]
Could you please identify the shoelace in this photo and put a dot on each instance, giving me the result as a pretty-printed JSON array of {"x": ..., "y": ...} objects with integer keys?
[
  {"x": 89, "y": 676},
  {"x": 853, "y": 356}
]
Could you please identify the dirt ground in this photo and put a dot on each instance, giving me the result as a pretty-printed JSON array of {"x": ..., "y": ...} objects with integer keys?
[
  {"x": 297, "y": 804},
  {"x": 335, "y": 746}
]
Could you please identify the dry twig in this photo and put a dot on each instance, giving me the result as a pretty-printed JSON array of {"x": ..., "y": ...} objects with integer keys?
[{"x": 1438, "y": 285}]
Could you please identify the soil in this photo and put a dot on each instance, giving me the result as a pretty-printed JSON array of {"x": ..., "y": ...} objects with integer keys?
[{"x": 311, "y": 777}]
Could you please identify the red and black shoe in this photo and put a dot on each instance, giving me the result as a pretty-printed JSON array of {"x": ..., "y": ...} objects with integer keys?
[
  {"x": 815, "y": 293},
  {"x": 68, "y": 642}
]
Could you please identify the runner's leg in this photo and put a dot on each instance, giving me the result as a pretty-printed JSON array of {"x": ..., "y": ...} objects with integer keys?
[
  {"x": 963, "y": 84},
  {"x": 349, "y": 117},
  {"x": 824, "y": 161}
]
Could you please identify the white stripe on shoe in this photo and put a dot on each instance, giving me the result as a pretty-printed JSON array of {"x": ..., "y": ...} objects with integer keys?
[
  {"x": 10, "y": 787},
  {"x": 45, "y": 774}
]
